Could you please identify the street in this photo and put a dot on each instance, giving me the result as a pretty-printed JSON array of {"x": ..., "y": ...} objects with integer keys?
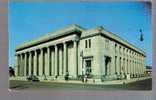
[{"x": 26, "y": 85}]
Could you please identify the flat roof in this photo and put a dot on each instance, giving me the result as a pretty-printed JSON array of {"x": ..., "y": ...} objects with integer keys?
[
  {"x": 72, "y": 28},
  {"x": 64, "y": 31}
]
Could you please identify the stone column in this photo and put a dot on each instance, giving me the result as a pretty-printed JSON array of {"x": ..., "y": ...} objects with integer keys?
[
  {"x": 141, "y": 72},
  {"x": 53, "y": 63},
  {"x": 118, "y": 61},
  {"x": 127, "y": 66},
  {"x": 24, "y": 67},
  {"x": 103, "y": 71},
  {"x": 142, "y": 66},
  {"x": 30, "y": 60},
  {"x": 25, "y": 64},
  {"x": 134, "y": 68},
  {"x": 115, "y": 64},
  {"x": 16, "y": 65},
  {"x": 122, "y": 69},
  {"x": 19, "y": 59},
  {"x": 60, "y": 62},
  {"x": 118, "y": 65},
  {"x": 65, "y": 57},
  {"x": 138, "y": 67},
  {"x": 130, "y": 67},
  {"x": 18, "y": 68},
  {"x": 35, "y": 62},
  {"x": 75, "y": 61},
  {"x": 48, "y": 62},
  {"x": 124, "y": 65},
  {"x": 21, "y": 65},
  {"x": 134, "y": 65},
  {"x": 41, "y": 63},
  {"x": 56, "y": 60}
]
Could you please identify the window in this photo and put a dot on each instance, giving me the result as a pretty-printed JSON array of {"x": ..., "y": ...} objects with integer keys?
[
  {"x": 123, "y": 50},
  {"x": 115, "y": 65},
  {"x": 115, "y": 47},
  {"x": 120, "y": 49},
  {"x": 86, "y": 43},
  {"x": 89, "y": 43}
]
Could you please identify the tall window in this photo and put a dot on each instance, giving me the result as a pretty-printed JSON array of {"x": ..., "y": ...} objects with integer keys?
[
  {"x": 127, "y": 52},
  {"x": 120, "y": 65},
  {"x": 120, "y": 49},
  {"x": 86, "y": 43},
  {"x": 115, "y": 48},
  {"x": 89, "y": 43},
  {"x": 115, "y": 65},
  {"x": 123, "y": 51}
]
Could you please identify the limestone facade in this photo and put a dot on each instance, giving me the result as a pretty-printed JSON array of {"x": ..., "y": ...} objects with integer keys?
[{"x": 97, "y": 53}]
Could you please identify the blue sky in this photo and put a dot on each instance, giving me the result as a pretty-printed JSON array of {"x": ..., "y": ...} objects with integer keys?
[{"x": 27, "y": 21}]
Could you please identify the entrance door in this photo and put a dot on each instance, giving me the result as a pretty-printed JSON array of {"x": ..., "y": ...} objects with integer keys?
[
  {"x": 107, "y": 65},
  {"x": 88, "y": 69}
]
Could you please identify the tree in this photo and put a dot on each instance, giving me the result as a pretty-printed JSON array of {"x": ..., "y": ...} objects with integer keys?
[{"x": 11, "y": 71}]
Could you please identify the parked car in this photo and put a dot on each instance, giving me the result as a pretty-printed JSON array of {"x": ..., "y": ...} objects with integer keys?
[{"x": 33, "y": 78}]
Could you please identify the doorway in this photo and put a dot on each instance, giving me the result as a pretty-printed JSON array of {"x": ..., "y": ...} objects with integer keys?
[
  {"x": 88, "y": 67},
  {"x": 107, "y": 65}
]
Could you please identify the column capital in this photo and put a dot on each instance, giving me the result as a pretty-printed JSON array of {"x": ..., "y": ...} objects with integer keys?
[
  {"x": 40, "y": 48},
  {"x": 30, "y": 51},
  {"x": 55, "y": 45},
  {"x": 64, "y": 42},
  {"x": 75, "y": 40}
]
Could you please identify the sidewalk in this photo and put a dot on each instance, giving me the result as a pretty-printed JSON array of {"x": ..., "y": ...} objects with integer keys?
[{"x": 113, "y": 82}]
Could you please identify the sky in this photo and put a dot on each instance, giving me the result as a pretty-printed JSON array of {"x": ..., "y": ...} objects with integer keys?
[{"x": 28, "y": 21}]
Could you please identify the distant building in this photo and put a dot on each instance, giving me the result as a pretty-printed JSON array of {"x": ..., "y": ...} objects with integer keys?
[
  {"x": 97, "y": 53},
  {"x": 148, "y": 70}
]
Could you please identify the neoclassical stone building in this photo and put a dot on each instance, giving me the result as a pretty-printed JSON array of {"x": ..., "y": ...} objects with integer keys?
[{"x": 97, "y": 53}]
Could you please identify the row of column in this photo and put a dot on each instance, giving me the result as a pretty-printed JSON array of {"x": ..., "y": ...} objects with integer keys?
[
  {"x": 126, "y": 64},
  {"x": 49, "y": 61},
  {"x": 129, "y": 66}
]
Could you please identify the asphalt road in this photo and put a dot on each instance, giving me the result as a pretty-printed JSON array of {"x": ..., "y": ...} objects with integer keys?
[{"x": 25, "y": 85}]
